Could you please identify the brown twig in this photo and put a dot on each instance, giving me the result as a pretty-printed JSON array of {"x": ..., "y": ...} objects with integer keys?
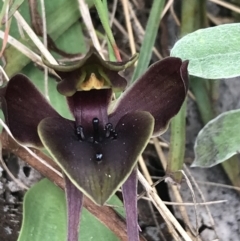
[{"x": 106, "y": 215}]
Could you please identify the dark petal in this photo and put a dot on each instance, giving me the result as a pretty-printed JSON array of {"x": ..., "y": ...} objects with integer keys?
[
  {"x": 74, "y": 206},
  {"x": 87, "y": 105},
  {"x": 26, "y": 107},
  {"x": 129, "y": 190},
  {"x": 3, "y": 91},
  {"x": 68, "y": 84},
  {"x": 97, "y": 178},
  {"x": 160, "y": 91}
]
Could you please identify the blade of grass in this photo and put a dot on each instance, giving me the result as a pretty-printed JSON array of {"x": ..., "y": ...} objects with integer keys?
[
  {"x": 6, "y": 34},
  {"x": 3, "y": 12},
  {"x": 34, "y": 38},
  {"x": 102, "y": 10},
  {"x": 14, "y": 7},
  {"x": 126, "y": 9},
  {"x": 149, "y": 38}
]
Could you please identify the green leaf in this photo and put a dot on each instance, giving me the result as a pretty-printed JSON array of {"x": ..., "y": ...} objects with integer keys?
[
  {"x": 218, "y": 140},
  {"x": 213, "y": 52},
  {"x": 62, "y": 27},
  {"x": 45, "y": 218},
  {"x": 72, "y": 41}
]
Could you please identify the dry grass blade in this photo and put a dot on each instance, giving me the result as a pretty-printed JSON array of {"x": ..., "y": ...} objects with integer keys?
[
  {"x": 140, "y": 32},
  {"x": 7, "y": 28},
  {"x": 23, "y": 49},
  {"x": 88, "y": 23},
  {"x": 227, "y": 5},
  {"x": 26, "y": 51},
  {"x": 126, "y": 7},
  {"x": 182, "y": 209},
  {"x": 191, "y": 204},
  {"x": 219, "y": 185},
  {"x": 18, "y": 182},
  {"x": 34, "y": 38},
  {"x": 44, "y": 30},
  {"x": 149, "y": 179},
  {"x": 203, "y": 199},
  {"x": 167, "y": 215},
  {"x": 167, "y": 7},
  {"x": 174, "y": 16},
  {"x": 4, "y": 74},
  {"x": 219, "y": 20},
  {"x": 174, "y": 188},
  {"x": 198, "y": 204},
  {"x": 160, "y": 153},
  {"x": 194, "y": 200}
]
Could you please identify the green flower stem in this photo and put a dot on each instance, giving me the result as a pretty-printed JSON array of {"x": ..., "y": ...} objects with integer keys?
[
  {"x": 231, "y": 167},
  {"x": 149, "y": 38},
  {"x": 177, "y": 144},
  {"x": 193, "y": 15}
]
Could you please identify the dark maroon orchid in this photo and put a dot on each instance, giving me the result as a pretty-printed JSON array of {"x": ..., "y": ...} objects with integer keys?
[{"x": 98, "y": 151}]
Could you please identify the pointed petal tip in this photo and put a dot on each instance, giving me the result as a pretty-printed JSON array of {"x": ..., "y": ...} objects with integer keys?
[
  {"x": 74, "y": 199},
  {"x": 129, "y": 190},
  {"x": 26, "y": 107},
  {"x": 161, "y": 90}
]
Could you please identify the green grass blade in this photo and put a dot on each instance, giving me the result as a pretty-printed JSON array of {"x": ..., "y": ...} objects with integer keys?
[
  {"x": 3, "y": 11},
  {"x": 102, "y": 10},
  {"x": 14, "y": 7},
  {"x": 149, "y": 38}
]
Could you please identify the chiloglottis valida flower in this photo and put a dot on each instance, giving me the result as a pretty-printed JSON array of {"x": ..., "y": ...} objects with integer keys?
[{"x": 98, "y": 151}]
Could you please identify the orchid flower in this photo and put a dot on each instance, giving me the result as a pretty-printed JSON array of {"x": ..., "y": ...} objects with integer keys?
[{"x": 98, "y": 151}]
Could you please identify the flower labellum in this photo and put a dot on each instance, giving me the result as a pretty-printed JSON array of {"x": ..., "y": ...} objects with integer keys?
[{"x": 98, "y": 151}]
